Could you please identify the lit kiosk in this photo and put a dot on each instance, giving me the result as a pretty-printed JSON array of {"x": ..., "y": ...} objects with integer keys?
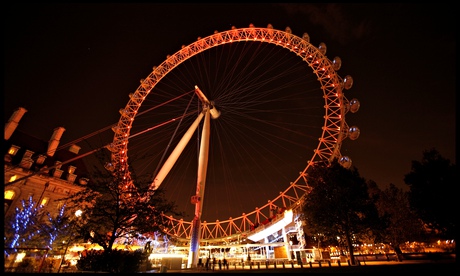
[{"x": 208, "y": 112}]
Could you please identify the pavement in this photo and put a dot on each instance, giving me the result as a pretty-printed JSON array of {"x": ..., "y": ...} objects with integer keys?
[{"x": 448, "y": 266}]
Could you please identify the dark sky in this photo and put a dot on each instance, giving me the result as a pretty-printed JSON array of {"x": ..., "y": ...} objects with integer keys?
[{"x": 74, "y": 65}]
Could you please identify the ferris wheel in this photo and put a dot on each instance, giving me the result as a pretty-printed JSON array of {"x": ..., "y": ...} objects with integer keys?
[{"x": 276, "y": 106}]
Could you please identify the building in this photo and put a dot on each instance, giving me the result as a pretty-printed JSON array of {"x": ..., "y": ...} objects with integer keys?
[
  {"x": 49, "y": 172},
  {"x": 41, "y": 169}
]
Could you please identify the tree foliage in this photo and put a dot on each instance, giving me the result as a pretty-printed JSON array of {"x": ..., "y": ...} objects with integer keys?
[
  {"x": 338, "y": 204},
  {"x": 22, "y": 227},
  {"x": 432, "y": 194},
  {"x": 118, "y": 261},
  {"x": 30, "y": 226},
  {"x": 57, "y": 232},
  {"x": 113, "y": 213},
  {"x": 397, "y": 222}
]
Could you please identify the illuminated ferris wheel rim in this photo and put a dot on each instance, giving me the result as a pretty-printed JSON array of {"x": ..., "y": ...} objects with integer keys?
[{"x": 334, "y": 130}]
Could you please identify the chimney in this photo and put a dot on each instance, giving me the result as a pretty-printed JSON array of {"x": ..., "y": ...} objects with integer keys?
[
  {"x": 54, "y": 141},
  {"x": 13, "y": 122}
]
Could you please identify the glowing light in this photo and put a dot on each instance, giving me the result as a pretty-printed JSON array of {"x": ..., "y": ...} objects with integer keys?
[
  {"x": 9, "y": 194},
  {"x": 266, "y": 231},
  {"x": 44, "y": 201},
  {"x": 19, "y": 257}
]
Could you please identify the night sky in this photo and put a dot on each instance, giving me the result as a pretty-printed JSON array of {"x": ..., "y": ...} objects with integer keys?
[{"x": 74, "y": 65}]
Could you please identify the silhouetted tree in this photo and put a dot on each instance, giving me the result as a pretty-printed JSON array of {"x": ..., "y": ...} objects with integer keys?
[
  {"x": 114, "y": 211},
  {"x": 338, "y": 204},
  {"x": 117, "y": 212},
  {"x": 56, "y": 232},
  {"x": 398, "y": 223},
  {"x": 433, "y": 193}
]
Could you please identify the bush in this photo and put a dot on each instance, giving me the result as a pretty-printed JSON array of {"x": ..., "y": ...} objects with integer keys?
[
  {"x": 27, "y": 265},
  {"x": 115, "y": 261}
]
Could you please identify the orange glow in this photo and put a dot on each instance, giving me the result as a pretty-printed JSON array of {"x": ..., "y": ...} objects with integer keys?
[
  {"x": 13, "y": 178},
  {"x": 9, "y": 194}
]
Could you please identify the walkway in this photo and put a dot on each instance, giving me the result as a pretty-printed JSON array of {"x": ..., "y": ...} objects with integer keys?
[{"x": 445, "y": 265}]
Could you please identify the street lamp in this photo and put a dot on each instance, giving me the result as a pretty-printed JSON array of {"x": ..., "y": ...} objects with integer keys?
[
  {"x": 77, "y": 214},
  {"x": 40, "y": 198}
]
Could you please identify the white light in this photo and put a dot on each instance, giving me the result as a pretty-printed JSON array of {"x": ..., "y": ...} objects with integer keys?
[
  {"x": 19, "y": 257},
  {"x": 273, "y": 227}
]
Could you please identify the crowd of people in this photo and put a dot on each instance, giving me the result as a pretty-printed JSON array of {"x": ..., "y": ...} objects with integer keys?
[{"x": 210, "y": 264}]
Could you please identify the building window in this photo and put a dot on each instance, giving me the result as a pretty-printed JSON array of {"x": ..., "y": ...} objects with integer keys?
[
  {"x": 71, "y": 169},
  {"x": 9, "y": 194},
  {"x": 13, "y": 178},
  {"x": 57, "y": 173},
  {"x": 41, "y": 158},
  {"x": 71, "y": 178},
  {"x": 27, "y": 161},
  {"x": 74, "y": 148},
  {"x": 13, "y": 150},
  {"x": 28, "y": 154},
  {"x": 45, "y": 201}
]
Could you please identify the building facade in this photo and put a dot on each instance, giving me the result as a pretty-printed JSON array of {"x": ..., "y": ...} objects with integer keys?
[{"x": 39, "y": 169}]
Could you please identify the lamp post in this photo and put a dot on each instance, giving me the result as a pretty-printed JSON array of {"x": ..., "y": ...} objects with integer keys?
[
  {"x": 40, "y": 198},
  {"x": 77, "y": 214}
]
